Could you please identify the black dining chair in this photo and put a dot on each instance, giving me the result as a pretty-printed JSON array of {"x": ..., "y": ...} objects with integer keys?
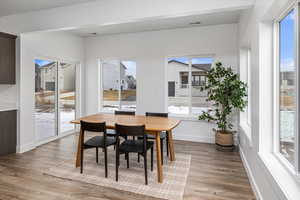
[
  {"x": 111, "y": 132},
  {"x": 133, "y": 146},
  {"x": 163, "y": 135},
  {"x": 96, "y": 141}
]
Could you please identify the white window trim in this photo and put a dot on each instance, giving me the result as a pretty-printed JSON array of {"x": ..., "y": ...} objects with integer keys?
[
  {"x": 189, "y": 116},
  {"x": 293, "y": 169}
]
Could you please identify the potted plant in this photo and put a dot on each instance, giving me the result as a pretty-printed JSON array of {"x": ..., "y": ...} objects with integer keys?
[{"x": 227, "y": 94}]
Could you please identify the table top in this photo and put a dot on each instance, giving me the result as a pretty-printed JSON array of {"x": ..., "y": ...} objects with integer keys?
[{"x": 151, "y": 123}]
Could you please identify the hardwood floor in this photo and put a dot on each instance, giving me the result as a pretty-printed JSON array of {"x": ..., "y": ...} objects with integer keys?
[{"x": 213, "y": 175}]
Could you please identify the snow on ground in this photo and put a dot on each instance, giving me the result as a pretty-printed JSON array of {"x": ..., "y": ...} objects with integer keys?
[{"x": 45, "y": 123}]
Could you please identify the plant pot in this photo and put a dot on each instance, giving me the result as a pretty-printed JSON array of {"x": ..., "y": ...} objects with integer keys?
[{"x": 224, "y": 140}]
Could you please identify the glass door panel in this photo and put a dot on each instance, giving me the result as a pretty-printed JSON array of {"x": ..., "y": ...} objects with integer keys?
[
  {"x": 67, "y": 96},
  {"x": 45, "y": 99}
]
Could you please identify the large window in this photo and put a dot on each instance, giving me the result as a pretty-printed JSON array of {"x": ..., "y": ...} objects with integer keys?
[
  {"x": 185, "y": 76},
  {"x": 118, "y": 85},
  {"x": 286, "y": 87},
  {"x": 245, "y": 75}
]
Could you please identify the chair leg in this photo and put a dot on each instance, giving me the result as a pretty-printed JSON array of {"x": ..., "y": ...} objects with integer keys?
[
  {"x": 138, "y": 157},
  {"x": 127, "y": 155},
  {"x": 145, "y": 167},
  {"x": 81, "y": 161},
  {"x": 167, "y": 141},
  {"x": 105, "y": 160},
  {"x": 97, "y": 157},
  {"x": 162, "y": 151},
  {"x": 117, "y": 165},
  {"x": 152, "y": 159}
]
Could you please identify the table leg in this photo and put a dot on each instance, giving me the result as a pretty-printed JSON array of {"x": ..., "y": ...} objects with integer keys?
[
  {"x": 158, "y": 159},
  {"x": 78, "y": 156},
  {"x": 171, "y": 146}
]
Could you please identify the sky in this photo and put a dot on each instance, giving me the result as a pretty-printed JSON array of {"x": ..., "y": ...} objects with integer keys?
[
  {"x": 131, "y": 68},
  {"x": 42, "y": 62},
  {"x": 287, "y": 42}
]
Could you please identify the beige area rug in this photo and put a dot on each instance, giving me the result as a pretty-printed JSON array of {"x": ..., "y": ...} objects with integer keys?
[{"x": 132, "y": 179}]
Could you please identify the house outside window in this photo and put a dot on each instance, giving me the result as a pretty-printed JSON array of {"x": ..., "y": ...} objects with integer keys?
[
  {"x": 185, "y": 76},
  {"x": 118, "y": 86}
]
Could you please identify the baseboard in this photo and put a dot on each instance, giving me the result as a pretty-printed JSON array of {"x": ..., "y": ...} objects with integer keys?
[
  {"x": 250, "y": 175},
  {"x": 31, "y": 146},
  {"x": 193, "y": 138},
  {"x": 55, "y": 138},
  {"x": 26, "y": 147}
]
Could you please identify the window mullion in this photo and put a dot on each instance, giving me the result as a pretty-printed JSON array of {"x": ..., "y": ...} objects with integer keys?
[
  {"x": 119, "y": 92},
  {"x": 190, "y": 86}
]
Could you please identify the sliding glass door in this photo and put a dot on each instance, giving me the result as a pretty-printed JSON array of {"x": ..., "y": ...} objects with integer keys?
[
  {"x": 45, "y": 99},
  {"x": 55, "y": 98},
  {"x": 66, "y": 96}
]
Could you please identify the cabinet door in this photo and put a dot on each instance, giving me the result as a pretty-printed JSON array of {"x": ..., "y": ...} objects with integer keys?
[
  {"x": 8, "y": 132},
  {"x": 7, "y": 60}
]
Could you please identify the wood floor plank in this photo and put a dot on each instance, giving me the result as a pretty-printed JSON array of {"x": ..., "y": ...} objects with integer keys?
[{"x": 213, "y": 175}]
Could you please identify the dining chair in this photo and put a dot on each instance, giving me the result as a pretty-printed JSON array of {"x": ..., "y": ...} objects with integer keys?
[
  {"x": 96, "y": 141},
  {"x": 163, "y": 135},
  {"x": 133, "y": 146},
  {"x": 111, "y": 132}
]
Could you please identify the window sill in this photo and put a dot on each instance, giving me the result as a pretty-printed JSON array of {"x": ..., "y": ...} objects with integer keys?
[
  {"x": 185, "y": 117},
  {"x": 288, "y": 180}
]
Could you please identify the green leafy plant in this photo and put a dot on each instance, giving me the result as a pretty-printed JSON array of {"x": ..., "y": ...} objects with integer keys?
[{"x": 227, "y": 93}]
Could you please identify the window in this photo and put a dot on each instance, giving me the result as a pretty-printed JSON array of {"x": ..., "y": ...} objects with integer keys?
[
  {"x": 286, "y": 87},
  {"x": 185, "y": 77},
  {"x": 118, "y": 85},
  {"x": 245, "y": 75}
]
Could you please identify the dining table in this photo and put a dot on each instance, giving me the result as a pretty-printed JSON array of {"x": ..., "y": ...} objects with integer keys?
[{"x": 153, "y": 125}]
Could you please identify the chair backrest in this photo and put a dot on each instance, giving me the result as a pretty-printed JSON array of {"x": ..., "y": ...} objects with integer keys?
[
  {"x": 117, "y": 112},
  {"x": 156, "y": 114},
  {"x": 124, "y": 131},
  {"x": 93, "y": 127}
]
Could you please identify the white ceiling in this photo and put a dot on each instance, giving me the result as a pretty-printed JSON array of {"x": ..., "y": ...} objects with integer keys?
[
  {"x": 11, "y": 7},
  {"x": 169, "y": 23}
]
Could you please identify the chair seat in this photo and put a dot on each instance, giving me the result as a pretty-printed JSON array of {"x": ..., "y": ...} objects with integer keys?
[
  {"x": 134, "y": 146},
  {"x": 163, "y": 135},
  {"x": 98, "y": 141}
]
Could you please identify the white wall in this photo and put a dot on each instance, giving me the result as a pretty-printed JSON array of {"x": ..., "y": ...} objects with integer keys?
[
  {"x": 150, "y": 50},
  {"x": 41, "y": 45},
  {"x": 269, "y": 178}
]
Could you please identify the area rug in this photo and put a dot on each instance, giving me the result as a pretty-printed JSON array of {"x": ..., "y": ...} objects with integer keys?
[{"x": 132, "y": 179}]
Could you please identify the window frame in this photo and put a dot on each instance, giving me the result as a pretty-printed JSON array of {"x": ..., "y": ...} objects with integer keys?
[
  {"x": 293, "y": 168},
  {"x": 190, "y": 115},
  {"x": 245, "y": 121}
]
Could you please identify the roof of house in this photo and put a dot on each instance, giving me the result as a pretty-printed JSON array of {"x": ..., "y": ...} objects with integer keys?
[{"x": 204, "y": 67}]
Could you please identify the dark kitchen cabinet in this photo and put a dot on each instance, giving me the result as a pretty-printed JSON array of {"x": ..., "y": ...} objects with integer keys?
[
  {"x": 8, "y": 132},
  {"x": 7, "y": 58}
]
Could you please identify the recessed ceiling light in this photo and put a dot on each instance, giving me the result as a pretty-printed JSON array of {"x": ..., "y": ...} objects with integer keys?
[{"x": 195, "y": 23}]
